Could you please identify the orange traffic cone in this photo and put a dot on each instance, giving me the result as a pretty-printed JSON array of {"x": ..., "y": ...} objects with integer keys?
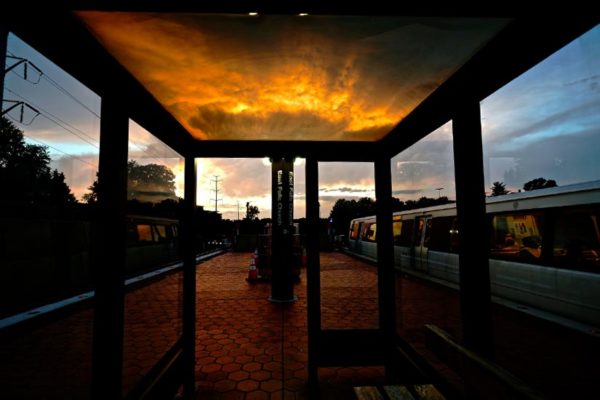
[{"x": 252, "y": 271}]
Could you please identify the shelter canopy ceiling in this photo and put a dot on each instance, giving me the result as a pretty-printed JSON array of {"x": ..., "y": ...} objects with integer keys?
[{"x": 284, "y": 77}]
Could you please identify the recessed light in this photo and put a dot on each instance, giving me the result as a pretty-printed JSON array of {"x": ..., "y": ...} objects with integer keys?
[
  {"x": 302, "y": 14},
  {"x": 253, "y": 14}
]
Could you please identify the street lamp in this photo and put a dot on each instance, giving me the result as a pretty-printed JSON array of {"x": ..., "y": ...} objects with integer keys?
[{"x": 439, "y": 190}]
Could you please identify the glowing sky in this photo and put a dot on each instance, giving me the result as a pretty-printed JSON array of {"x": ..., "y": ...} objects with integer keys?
[
  {"x": 287, "y": 77},
  {"x": 544, "y": 123}
]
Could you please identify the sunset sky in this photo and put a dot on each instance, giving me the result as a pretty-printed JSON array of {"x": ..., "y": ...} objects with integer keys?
[{"x": 545, "y": 123}]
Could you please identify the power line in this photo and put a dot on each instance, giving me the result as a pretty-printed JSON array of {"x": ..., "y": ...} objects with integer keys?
[
  {"x": 216, "y": 190},
  {"x": 48, "y": 79},
  {"x": 67, "y": 93},
  {"x": 58, "y": 121},
  {"x": 26, "y": 62},
  {"x": 57, "y": 149}
]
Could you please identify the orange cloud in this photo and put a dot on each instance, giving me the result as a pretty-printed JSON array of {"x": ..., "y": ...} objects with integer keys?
[{"x": 288, "y": 78}]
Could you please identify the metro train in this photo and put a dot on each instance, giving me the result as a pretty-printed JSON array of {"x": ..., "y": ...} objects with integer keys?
[
  {"x": 46, "y": 260},
  {"x": 544, "y": 248}
]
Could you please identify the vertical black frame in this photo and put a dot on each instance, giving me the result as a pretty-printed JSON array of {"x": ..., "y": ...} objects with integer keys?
[
  {"x": 3, "y": 47},
  {"x": 385, "y": 254},
  {"x": 187, "y": 222},
  {"x": 313, "y": 270},
  {"x": 110, "y": 255},
  {"x": 473, "y": 254}
]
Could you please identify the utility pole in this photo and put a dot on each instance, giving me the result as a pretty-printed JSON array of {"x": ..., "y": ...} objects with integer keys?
[{"x": 216, "y": 190}]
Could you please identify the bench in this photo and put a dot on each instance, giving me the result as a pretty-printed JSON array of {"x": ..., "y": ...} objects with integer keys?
[
  {"x": 483, "y": 379},
  {"x": 397, "y": 392}
]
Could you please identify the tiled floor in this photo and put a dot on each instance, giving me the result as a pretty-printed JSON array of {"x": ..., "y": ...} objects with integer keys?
[{"x": 250, "y": 348}]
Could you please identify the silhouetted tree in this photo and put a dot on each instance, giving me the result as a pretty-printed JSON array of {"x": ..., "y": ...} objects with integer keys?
[
  {"x": 146, "y": 183},
  {"x": 92, "y": 196},
  {"x": 251, "y": 212},
  {"x": 25, "y": 174},
  {"x": 151, "y": 182},
  {"x": 539, "y": 183},
  {"x": 344, "y": 211},
  {"x": 499, "y": 189}
]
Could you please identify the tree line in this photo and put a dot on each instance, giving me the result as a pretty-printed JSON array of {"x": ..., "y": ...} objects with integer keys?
[{"x": 499, "y": 188}]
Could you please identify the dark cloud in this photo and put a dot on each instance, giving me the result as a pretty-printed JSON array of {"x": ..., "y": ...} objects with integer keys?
[
  {"x": 406, "y": 192},
  {"x": 302, "y": 125},
  {"x": 343, "y": 189}
]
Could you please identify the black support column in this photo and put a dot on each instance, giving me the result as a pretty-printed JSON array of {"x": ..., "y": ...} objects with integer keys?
[
  {"x": 3, "y": 45},
  {"x": 110, "y": 237},
  {"x": 385, "y": 250},
  {"x": 189, "y": 279},
  {"x": 474, "y": 241},
  {"x": 313, "y": 270},
  {"x": 282, "y": 280}
]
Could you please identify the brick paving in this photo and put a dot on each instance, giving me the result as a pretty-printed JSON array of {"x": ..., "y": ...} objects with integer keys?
[
  {"x": 557, "y": 362},
  {"x": 53, "y": 361},
  {"x": 152, "y": 325},
  {"x": 249, "y": 348}
]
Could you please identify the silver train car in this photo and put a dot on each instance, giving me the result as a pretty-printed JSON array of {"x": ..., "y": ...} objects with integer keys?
[{"x": 544, "y": 249}]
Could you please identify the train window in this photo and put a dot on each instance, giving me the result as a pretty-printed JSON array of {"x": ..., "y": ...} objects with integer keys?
[
  {"x": 423, "y": 231},
  {"x": 370, "y": 232},
  {"x": 397, "y": 227},
  {"x": 577, "y": 240},
  {"x": 144, "y": 233},
  {"x": 354, "y": 229},
  {"x": 442, "y": 234},
  {"x": 406, "y": 233},
  {"x": 160, "y": 233},
  {"x": 516, "y": 237},
  {"x": 427, "y": 238}
]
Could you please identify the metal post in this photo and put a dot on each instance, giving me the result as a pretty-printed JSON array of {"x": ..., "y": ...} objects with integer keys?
[
  {"x": 3, "y": 46},
  {"x": 313, "y": 270},
  {"x": 474, "y": 241},
  {"x": 282, "y": 280},
  {"x": 385, "y": 257},
  {"x": 111, "y": 251},
  {"x": 189, "y": 278}
]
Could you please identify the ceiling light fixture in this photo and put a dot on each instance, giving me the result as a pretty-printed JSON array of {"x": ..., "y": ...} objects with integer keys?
[{"x": 253, "y": 14}]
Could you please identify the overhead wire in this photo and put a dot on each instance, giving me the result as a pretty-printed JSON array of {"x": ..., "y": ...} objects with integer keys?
[
  {"x": 57, "y": 149},
  {"x": 59, "y": 122},
  {"x": 57, "y": 85}
]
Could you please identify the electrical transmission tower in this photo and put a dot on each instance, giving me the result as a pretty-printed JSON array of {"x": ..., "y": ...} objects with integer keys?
[{"x": 216, "y": 190}]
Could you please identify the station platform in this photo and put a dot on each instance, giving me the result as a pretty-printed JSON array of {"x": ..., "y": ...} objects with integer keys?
[{"x": 249, "y": 348}]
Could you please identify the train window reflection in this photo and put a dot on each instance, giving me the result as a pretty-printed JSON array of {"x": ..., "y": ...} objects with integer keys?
[
  {"x": 370, "y": 232},
  {"x": 577, "y": 240},
  {"x": 354, "y": 230},
  {"x": 144, "y": 233},
  {"x": 442, "y": 234},
  {"x": 516, "y": 237},
  {"x": 161, "y": 232},
  {"x": 397, "y": 228},
  {"x": 406, "y": 233}
]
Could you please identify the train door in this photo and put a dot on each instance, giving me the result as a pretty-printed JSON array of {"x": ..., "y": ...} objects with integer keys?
[
  {"x": 421, "y": 243},
  {"x": 354, "y": 236}
]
